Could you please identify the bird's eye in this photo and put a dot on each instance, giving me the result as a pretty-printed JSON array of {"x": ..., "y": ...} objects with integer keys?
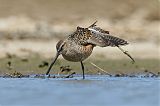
[{"x": 60, "y": 48}]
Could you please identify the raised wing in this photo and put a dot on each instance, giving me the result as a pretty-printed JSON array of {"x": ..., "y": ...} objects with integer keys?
[
  {"x": 108, "y": 39},
  {"x": 96, "y": 36},
  {"x": 102, "y": 38}
]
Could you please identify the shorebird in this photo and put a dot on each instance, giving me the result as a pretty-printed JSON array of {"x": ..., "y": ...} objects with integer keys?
[{"x": 79, "y": 45}]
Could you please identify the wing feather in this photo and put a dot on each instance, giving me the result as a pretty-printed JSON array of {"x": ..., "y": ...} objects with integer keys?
[
  {"x": 96, "y": 36},
  {"x": 101, "y": 38}
]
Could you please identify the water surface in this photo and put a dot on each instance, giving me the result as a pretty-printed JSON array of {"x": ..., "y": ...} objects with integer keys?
[{"x": 93, "y": 91}]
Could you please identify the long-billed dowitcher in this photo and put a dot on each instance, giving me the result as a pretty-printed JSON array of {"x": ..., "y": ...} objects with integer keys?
[{"x": 79, "y": 45}]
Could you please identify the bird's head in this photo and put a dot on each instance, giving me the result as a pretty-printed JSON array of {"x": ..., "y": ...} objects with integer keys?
[{"x": 60, "y": 46}]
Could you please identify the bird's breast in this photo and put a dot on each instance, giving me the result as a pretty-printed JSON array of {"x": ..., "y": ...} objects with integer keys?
[{"x": 77, "y": 53}]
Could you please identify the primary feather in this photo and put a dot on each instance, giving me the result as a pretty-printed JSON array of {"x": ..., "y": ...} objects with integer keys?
[{"x": 102, "y": 38}]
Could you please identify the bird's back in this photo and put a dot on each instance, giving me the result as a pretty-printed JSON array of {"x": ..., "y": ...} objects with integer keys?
[{"x": 95, "y": 36}]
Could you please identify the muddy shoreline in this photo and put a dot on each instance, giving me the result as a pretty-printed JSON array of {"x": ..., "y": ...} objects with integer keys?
[{"x": 37, "y": 65}]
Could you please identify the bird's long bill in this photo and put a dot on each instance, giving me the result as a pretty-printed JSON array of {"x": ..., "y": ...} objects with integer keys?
[{"x": 54, "y": 60}]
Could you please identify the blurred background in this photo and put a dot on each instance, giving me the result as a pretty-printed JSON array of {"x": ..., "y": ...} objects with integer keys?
[{"x": 24, "y": 21}]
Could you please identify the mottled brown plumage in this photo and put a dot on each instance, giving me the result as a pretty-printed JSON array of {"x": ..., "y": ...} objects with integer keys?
[{"x": 79, "y": 45}]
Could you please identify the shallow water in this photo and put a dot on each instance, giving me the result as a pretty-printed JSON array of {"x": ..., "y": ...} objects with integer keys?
[{"x": 93, "y": 91}]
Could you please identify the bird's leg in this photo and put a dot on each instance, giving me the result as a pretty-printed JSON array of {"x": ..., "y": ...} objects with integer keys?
[
  {"x": 125, "y": 52},
  {"x": 82, "y": 69}
]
